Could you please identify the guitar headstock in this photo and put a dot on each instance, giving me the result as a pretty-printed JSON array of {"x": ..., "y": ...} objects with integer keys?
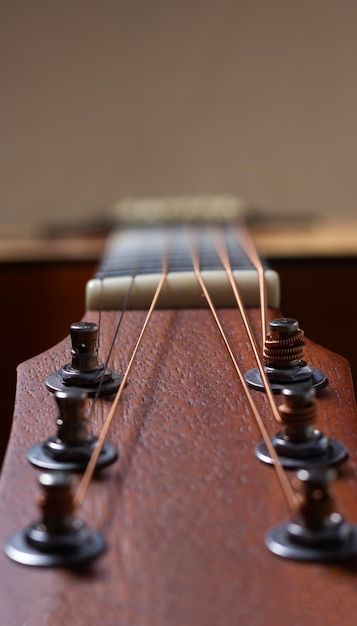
[{"x": 186, "y": 508}]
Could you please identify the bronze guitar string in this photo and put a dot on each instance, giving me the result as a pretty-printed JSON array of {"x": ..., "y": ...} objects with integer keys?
[
  {"x": 223, "y": 254},
  {"x": 246, "y": 241},
  {"x": 304, "y": 536},
  {"x": 59, "y": 539},
  {"x": 278, "y": 539},
  {"x": 88, "y": 474},
  {"x": 282, "y": 477},
  {"x": 99, "y": 325}
]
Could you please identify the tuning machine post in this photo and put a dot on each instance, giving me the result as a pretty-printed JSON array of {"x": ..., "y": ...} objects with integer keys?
[
  {"x": 58, "y": 539},
  {"x": 85, "y": 372},
  {"x": 283, "y": 358},
  {"x": 299, "y": 443},
  {"x": 71, "y": 448},
  {"x": 316, "y": 531}
]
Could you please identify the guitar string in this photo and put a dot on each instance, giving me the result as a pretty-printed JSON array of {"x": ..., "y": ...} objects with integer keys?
[
  {"x": 117, "y": 328},
  {"x": 245, "y": 239},
  {"x": 89, "y": 471},
  {"x": 281, "y": 475},
  {"x": 100, "y": 310},
  {"x": 100, "y": 313},
  {"x": 87, "y": 476},
  {"x": 111, "y": 347},
  {"x": 222, "y": 251}
]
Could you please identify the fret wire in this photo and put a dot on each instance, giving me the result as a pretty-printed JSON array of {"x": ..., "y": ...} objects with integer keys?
[
  {"x": 120, "y": 263},
  {"x": 283, "y": 480}
]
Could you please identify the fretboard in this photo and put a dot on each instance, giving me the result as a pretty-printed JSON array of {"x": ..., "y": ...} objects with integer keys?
[{"x": 134, "y": 260}]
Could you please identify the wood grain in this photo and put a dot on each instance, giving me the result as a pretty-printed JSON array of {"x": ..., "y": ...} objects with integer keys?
[{"x": 186, "y": 508}]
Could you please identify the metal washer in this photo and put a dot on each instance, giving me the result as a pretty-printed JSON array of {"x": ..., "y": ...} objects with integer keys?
[
  {"x": 18, "y": 549},
  {"x": 253, "y": 378},
  {"x": 54, "y": 382},
  {"x": 280, "y": 543},
  {"x": 38, "y": 456},
  {"x": 336, "y": 453}
]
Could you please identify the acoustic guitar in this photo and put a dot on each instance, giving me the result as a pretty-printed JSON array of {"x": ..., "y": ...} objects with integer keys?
[{"x": 185, "y": 457}]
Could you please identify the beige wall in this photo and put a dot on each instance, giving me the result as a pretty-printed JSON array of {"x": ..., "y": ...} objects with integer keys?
[{"x": 110, "y": 98}]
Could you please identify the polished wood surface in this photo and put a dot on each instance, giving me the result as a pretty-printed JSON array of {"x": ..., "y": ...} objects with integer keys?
[{"x": 186, "y": 508}]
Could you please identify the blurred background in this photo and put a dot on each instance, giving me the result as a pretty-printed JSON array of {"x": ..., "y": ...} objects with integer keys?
[
  {"x": 112, "y": 98},
  {"x": 104, "y": 99}
]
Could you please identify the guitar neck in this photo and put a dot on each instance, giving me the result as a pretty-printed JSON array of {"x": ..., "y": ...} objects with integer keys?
[
  {"x": 186, "y": 507},
  {"x": 126, "y": 267}
]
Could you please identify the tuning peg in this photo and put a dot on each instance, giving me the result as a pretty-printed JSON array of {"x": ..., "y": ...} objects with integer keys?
[
  {"x": 84, "y": 371},
  {"x": 58, "y": 539},
  {"x": 299, "y": 443},
  {"x": 283, "y": 358},
  {"x": 316, "y": 531},
  {"x": 72, "y": 446}
]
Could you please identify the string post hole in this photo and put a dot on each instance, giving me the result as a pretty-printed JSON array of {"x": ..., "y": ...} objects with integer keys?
[
  {"x": 58, "y": 539},
  {"x": 71, "y": 447},
  {"x": 316, "y": 532},
  {"x": 299, "y": 443},
  {"x": 283, "y": 357},
  {"x": 85, "y": 372}
]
